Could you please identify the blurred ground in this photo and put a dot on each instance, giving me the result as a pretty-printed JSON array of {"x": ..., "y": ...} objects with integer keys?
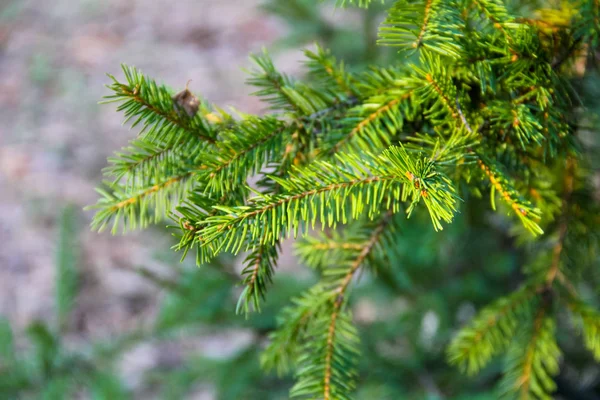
[{"x": 54, "y": 138}]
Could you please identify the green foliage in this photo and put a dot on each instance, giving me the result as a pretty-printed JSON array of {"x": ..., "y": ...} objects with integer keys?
[
  {"x": 532, "y": 362},
  {"x": 483, "y": 99},
  {"x": 433, "y": 25},
  {"x": 491, "y": 331}
]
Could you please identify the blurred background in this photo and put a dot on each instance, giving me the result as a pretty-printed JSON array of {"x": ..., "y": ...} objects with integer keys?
[{"x": 87, "y": 315}]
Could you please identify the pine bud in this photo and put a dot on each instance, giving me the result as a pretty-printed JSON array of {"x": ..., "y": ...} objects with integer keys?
[{"x": 187, "y": 101}]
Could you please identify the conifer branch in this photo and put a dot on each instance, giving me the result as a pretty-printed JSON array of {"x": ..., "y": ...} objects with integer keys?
[
  {"x": 524, "y": 382},
  {"x": 366, "y": 124},
  {"x": 488, "y": 98},
  {"x": 244, "y": 149},
  {"x": 523, "y": 209},
  {"x": 258, "y": 274},
  {"x": 143, "y": 161},
  {"x": 325, "y": 68},
  {"x": 285, "y": 342},
  {"x": 360, "y": 180},
  {"x": 530, "y": 369},
  {"x": 152, "y": 104},
  {"x": 282, "y": 93},
  {"x": 340, "y": 298},
  {"x": 170, "y": 116},
  {"x": 490, "y": 331},
  {"x": 431, "y": 24},
  {"x": 427, "y": 15},
  {"x": 496, "y": 12},
  {"x": 587, "y": 319},
  {"x": 138, "y": 207}
]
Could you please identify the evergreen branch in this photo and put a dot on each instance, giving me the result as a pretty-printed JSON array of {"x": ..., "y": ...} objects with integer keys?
[
  {"x": 196, "y": 208},
  {"x": 133, "y": 208},
  {"x": 310, "y": 384},
  {"x": 324, "y": 68},
  {"x": 381, "y": 81},
  {"x": 525, "y": 381},
  {"x": 328, "y": 249},
  {"x": 587, "y": 319},
  {"x": 244, "y": 149},
  {"x": 153, "y": 105},
  {"x": 144, "y": 162},
  {"x": 285, "y": 342},
  {"x": 426, "y": 16},
  {"x": 453, "y": 150},
  {"x": 320, "y": 192},
  {"x": 431, "y": 24},
  {"x": 522, "y": 208},
  {"x": 327, "y": 363},
  {"x": 368, "y": 132},
  {"x": 349, "y": 102},
  {"x": 258, "y": 274},
  {"x": 339, "y": 301},
  {"x": 530, "y": 369},
  {"x": 433, "y": 85},
  {"x": 496, "y": 12},
  {"x": 282, "y": 93},
  {"x": 519, "y": 120},
  {"x": 490, "y": 331},
  {"x": 445, "y": 99}
]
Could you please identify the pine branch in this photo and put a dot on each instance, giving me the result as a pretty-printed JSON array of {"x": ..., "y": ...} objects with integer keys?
[
  {"x": 587, "y": 319},
  {"x": 327, "y": 363},
  {"x": 314, "y": 379},
  {"x": 431, "y": 24},
  {"x": 153, "y": 106},
  {"x": 284, "y": 94},
  {"x": 339, "y": 301},
  {"x": 325, "y": 69},
  {"x": 285, "y": 342},
  {"x": 495, "y": 11},
  {"x": 530, "y": 368},
  {"x": 258, "y": 274},
  {"x": 526, "y": 212},
  {"x": 243, "y": 151},
  {"x": 519, "y": 120},
  {"x": 487, "y": 99},
  {"x": 372, "y": 130},
  {"x": 358, "y": 181},
  {"x": 325, "y": 249},
  {"x": 433, "y": 84},
  {"x": 491, "y": 330},
  {"x": 141, "y": 206},
  {"x": 190, "y": 214},
  {"x": 144, "y": 162},
  {"x": 441, "y": 90}
]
